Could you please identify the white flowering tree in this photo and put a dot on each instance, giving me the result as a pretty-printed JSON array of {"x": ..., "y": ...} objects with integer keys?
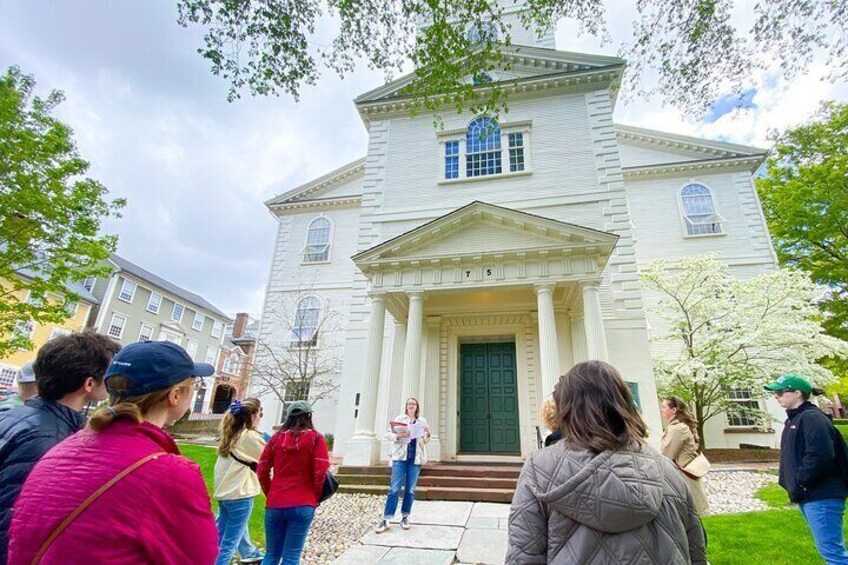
[{"x": 724, "y": 334}]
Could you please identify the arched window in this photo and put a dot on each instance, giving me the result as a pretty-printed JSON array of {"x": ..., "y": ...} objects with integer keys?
[
  {"x": 699, "y": 210},
  {"x": 231, "y": 364},
  {"x": 483, "y": 148},
  {"x": 304, "y": 330},
  {"x": 317, "y": 241},
  {"x": 481, "y": 32}
]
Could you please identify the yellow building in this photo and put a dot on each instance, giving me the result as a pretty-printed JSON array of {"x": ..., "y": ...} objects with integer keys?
[{"x": 40, "y": 334}]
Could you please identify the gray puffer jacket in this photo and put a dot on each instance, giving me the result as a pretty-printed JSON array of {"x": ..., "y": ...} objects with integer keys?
[{"x": 627, "y": 506}]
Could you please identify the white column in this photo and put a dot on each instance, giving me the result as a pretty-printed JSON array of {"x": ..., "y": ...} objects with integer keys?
[
  {"x": 432, "y": 377},
  {"x": 363, "y": 448},
  {"x": 548, "y": 347},
  {"x": 414, "y": 343},
  {"x": 593, "y": 321}
]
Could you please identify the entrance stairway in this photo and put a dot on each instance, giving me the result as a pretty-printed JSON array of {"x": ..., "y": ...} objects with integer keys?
[{"x": 484, "y": 482}]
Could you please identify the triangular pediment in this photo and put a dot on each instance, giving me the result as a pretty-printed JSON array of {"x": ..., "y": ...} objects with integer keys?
[
  {"x": 524, "y": 63},
  {"x": 481, "y": 229},
  {"x": 658, "y": 147},
  {"x": 342, "y": 182}
]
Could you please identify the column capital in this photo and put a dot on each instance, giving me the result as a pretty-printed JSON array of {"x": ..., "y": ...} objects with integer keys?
[
  {"x": 433, "y": 320},
  {"x": 376, "y": 295},
  {"x": 415, "y": 294},
  {"x": 589, "y": 283},
  {"x": 543, "y": 288}
]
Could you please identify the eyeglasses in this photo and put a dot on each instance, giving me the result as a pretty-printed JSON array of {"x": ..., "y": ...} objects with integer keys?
[{"x": 779, "y": 393}]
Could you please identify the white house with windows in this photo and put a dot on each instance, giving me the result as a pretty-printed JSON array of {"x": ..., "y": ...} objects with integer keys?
[{"x": 474, "y": 264}]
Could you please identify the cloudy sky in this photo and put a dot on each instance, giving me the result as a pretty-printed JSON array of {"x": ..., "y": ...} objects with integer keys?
[{"x": 157, "y": 128}]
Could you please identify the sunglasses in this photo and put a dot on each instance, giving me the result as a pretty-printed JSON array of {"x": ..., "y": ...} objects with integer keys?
[{"x": 779, "y": 393}]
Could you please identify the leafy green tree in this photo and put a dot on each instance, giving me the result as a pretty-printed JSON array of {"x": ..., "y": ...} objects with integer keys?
[
  {"x": 805, "y": 199},
  {"x": 50, "y": 214},
  {"x": 691, "y": 46}
]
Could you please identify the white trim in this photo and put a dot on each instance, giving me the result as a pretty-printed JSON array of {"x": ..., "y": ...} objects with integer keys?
[
  {"x": 684, "y": 219},
  {"x": 93, "y": 283},
  {"x": 107, "y": 300},
  {"x": 150, "y": 302},
  {"x": 112, "y": 323},
  {"x": 132, "y": 294},
  {"x": 57, "y": 332},
  {"x": 220, "y": 328},
  {"x": 192, "y": 351},
  {"x": 141, "y": 330},
  {"x": 165, "y": 333},
  {"x": 214, "y": 351}
]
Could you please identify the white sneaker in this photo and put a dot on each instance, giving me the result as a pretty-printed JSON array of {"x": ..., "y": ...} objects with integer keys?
[
  {"x": 382, "y": 527},
  {"x": 404, "y": 523}
]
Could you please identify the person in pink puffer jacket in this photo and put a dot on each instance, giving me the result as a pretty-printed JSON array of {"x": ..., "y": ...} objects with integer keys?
[{"x": 158, "y": 512}]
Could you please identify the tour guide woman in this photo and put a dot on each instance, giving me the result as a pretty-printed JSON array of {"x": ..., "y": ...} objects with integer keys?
[
  {"x": 680, "y": 444},
  {"x": 408, "y": 455}
]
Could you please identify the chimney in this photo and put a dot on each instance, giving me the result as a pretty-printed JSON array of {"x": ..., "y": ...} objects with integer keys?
[{"x": 242, "y": 319}]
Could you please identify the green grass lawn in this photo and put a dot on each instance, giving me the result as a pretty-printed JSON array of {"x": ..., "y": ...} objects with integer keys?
[
  {"x": 778, "y": 536},
  {"x": 205, "y": 457}
]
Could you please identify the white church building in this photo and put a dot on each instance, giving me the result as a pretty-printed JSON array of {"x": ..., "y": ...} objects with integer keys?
[{"x": 471, "y": 265}]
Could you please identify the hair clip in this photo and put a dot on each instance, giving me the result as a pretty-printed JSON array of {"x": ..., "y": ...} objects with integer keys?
[{"x": 235, "y": 407}]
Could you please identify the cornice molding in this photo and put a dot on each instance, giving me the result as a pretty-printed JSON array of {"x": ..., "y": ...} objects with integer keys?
[
  {"x": 339, "y": 202},
  {"x": 750, "y": 164}
]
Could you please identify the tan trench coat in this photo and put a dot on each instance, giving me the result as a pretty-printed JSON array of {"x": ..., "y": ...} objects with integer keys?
[{"x": 678, "y": 444}]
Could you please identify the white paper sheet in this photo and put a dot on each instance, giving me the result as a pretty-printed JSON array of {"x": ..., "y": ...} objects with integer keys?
[{"x": 416, "y": 430}]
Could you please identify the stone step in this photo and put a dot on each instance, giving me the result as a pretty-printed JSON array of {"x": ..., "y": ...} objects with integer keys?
[
  {"x": 442, "y": 470},
  {"x": 432, "y": 481},
  {"x": 440, "y": 493}
]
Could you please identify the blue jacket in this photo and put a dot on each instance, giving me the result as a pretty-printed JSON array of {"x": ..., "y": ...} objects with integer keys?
[
  {"x": 812, "y": 456},
  {"x": 26, "y": 434}
]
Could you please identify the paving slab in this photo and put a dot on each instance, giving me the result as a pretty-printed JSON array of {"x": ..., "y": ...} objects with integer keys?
[
  {"x": 490, "y": 510},
  {"x": 407, "y": 556},
  {"x": 439, "y": 513},
  {"x": 360, "y": 554},
  {"x": 482, "y": 547},
  {"x": 483, "y": 524},
  {"x": 419, "y": 537}
]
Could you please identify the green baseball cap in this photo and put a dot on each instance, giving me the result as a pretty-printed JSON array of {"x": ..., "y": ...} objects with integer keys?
[
  {"x": 299, "y": 407},
  {"x": 791, "y": 381}
]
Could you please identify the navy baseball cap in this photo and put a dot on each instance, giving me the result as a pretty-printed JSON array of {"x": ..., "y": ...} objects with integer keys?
[{"x": 153, "y": 365}]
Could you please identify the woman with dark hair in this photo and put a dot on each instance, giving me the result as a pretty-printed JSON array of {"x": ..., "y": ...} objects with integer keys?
[
  {"x": 408, "y": 455},
  {"x": 298, "y": 457},
  {"x": 119, "y": 492},
  {"x": 601, "y": 493},
  {"x": 680, "y": 443},
  {"x": 236, "y": 484}
]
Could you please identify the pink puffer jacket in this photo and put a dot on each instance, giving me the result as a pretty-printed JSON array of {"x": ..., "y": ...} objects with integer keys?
[{"x": 160, "y": 513}]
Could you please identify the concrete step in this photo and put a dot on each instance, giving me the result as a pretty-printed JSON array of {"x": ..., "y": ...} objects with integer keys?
[{"x": 439, "y": 493}]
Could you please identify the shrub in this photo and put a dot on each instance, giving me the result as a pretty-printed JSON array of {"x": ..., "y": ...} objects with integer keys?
[{"x": 330, "y": 441}]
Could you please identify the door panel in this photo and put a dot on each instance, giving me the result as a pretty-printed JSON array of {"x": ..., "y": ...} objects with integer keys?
[{"x": 489, "y": 420}]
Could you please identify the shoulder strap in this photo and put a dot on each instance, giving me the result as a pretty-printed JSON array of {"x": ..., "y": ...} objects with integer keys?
[{"x": 88, "y": 501}]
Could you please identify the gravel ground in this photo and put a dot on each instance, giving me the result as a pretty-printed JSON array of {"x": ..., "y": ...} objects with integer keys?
[
  {"x": 344, "y": 519},
  {"x": 340, "y": 523},
  {"x": 730, "y": 492}
]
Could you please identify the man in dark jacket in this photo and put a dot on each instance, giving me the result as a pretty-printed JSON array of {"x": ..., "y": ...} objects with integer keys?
[
  {"x": 813, "y": 466},
  {"x": 70, "y": 372}
]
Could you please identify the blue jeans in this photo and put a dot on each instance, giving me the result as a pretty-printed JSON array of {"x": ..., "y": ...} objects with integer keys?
[
  {"x": 404, "y": 474},
  {"x": 232, "y": 530},
  {"x": 285, "y": 534},
  {"x": 825, "y": 520}
]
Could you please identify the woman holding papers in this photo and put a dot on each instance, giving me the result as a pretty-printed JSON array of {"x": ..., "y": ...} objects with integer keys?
[{"x": 408, "y": 433}]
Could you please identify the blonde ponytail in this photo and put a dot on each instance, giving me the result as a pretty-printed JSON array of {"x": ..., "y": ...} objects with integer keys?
[{"x": 130, "y": 408}]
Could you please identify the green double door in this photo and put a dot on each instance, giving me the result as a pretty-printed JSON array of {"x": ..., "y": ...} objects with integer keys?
[{"x": 488, "y": 399}]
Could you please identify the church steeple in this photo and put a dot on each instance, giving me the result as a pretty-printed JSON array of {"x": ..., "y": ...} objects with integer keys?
[{"x": 520, "y": 34}]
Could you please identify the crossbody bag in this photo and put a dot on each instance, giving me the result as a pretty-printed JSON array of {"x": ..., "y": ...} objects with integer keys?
[{"x": 88, "y": 502}]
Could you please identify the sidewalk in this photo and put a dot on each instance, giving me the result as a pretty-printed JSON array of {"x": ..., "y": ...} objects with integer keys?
[{"x": 442, "y": 533}]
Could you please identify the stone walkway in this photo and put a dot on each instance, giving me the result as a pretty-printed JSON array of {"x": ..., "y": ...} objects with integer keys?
[{"x": 442, "y": 533}]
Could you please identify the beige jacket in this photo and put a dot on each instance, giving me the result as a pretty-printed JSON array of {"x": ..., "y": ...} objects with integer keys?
[
  {"x": 679, "y": 445},
  {"x": 234, "y": 480},
  {"x": 399, "y": 445},
  {"x": 626, "y": 506}
]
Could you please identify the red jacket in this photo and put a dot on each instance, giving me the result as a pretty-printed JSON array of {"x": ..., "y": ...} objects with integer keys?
[
  {"x": 160, "y": 513},
  {"x": 300, "y": 462}
]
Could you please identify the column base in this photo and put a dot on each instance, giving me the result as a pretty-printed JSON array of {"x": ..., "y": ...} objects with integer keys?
[
  {"x": 434, "y": 449},
  {"x": 362, "y": 451}
]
